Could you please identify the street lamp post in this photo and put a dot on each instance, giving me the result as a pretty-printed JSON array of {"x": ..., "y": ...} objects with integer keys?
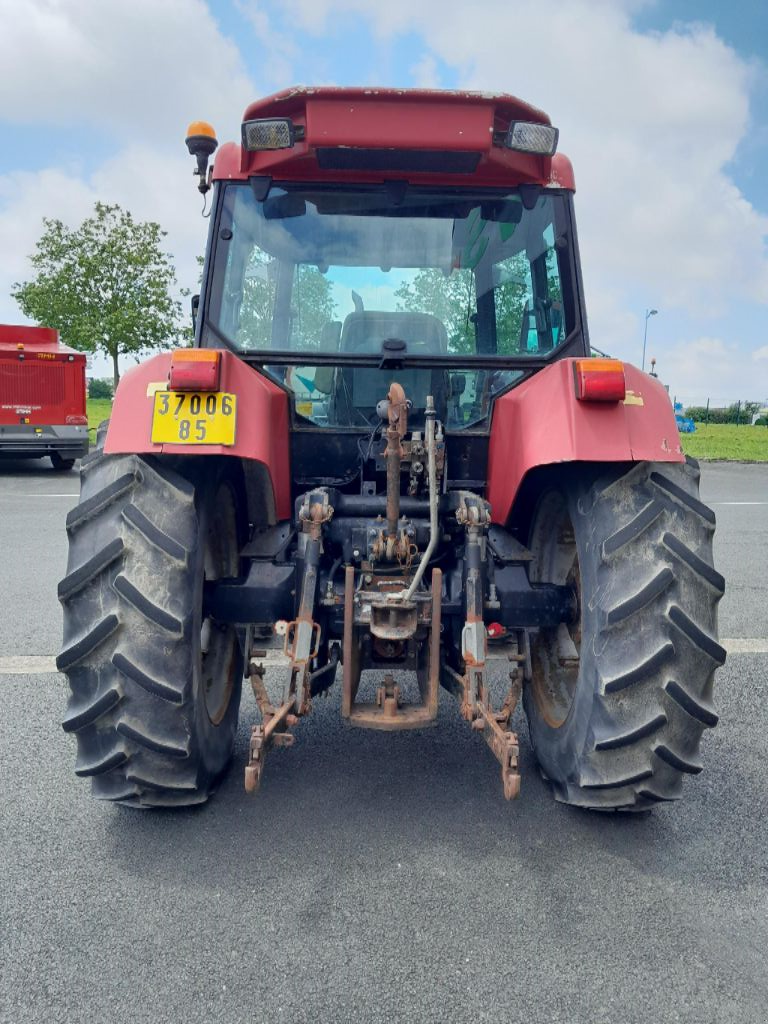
[{"x": 648, "y": 314}]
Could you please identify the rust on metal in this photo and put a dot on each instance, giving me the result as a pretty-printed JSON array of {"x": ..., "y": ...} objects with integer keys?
[
  {"x": 394, "y": 622},
  {"x": 430, "y": 698},
  {"x": 391, "y": 621},
  {"x": 350, "y": 657},
  {"x": 397, "y": 415},
  {"x": 271, "y": 732}
]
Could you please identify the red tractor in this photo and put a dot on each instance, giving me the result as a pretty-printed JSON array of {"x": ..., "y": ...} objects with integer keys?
[{"x": 389, "y": 461}]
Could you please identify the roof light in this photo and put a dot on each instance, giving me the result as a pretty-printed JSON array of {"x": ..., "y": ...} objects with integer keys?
[
  {"x": 201, "y": 143},
  {"x": 272, "y": 133},
  {"x": 194, "y": 369},
  {"x": 528, "y": 137},
  {"x": 600, "y": 380}
]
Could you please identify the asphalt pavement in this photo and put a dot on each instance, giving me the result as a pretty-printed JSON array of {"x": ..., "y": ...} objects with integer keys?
[{"x": 375, "y": 877}]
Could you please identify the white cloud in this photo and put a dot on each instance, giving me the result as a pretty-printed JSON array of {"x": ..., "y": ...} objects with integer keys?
[
  {"x": 278, "y": 51},
  {"x": 710, "y": 368},
  {"x": 140, "y": 179},
  {"x": 139, "y": 73},
  {"x": 25, "y": 198},
  {"x": 651, "y": 122},
  {"x": 425, "y": 73},
  {"x": 141, "y": 69}
]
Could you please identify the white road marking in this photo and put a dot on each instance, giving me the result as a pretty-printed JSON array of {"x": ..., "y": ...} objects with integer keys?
[
  {"x": 740, "y": 645},
  {"x": 18, "y": 665},
  {"x": 21, "y": 665}
]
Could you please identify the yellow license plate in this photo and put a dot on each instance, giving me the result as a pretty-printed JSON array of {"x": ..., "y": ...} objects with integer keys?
[{"x": 191, "y": 417}]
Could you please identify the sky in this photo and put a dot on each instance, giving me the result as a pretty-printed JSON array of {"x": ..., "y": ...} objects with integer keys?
[{"x": 662, "y": 107}]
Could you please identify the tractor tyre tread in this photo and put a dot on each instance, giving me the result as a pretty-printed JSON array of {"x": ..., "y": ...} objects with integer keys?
[
  {"x": 649, "y": 645},
  {"x": 128, "y": 600}
]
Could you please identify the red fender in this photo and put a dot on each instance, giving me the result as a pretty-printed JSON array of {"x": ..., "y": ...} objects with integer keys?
[
  {"x": 541, "y": 422},
  {"x": 261, "y": 432}
]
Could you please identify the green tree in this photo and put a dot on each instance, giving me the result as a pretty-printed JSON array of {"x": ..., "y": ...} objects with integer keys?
[
  {"x": 100, "y": 388},
  {"x": 312, "y": 305},
  {"x": 105, "y": 286},
  {"x": 451, "y": 299}
]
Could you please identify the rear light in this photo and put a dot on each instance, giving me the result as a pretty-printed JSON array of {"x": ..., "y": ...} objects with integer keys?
[
  {"x": 600, "y": 380},
  {"x": 496, "y": 631},
  {"x": 76, "y": 421},
  {"x": 194, "y": 369},
  {"x": 272, "y": 133},
  {"x": 532, "y": 138}
]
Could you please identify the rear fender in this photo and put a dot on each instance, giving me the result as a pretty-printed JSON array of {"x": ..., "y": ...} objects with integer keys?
[
  {"x": 542, "y": 423},
  {"x": 261, "y": 431}
]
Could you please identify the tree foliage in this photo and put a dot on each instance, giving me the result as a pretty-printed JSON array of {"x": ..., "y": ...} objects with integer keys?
[
  {"x": 105, "y": 286},
  {"x": 312, "y": 306},
  {"x": 452, "y": 299},
  {"x": 738, "y": 412},
  {"x": 98, "y": 387}
]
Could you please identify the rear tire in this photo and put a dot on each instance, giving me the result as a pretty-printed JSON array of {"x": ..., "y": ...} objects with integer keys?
[
  {"x": 155, "y": 691},
  {"x": 619, "y": 700},
  {"x": 60, "y": 464}
]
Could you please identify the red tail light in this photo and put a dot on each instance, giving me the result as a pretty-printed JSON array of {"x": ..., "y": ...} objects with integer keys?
[
  {"x": 600, "y": 380},
  {"x": 194, "y": 369},
  {"x": 79, "y": 421}
]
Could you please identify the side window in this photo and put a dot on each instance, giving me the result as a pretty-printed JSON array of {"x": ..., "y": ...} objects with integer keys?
[
  {"x": 254, "y": 327},
  {"x": 528, "y": 298},
  {"x": 313, "y": 308},
  {"x": 513, "y": 291}
]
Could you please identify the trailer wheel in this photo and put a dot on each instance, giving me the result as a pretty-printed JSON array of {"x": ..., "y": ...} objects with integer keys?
[
  {"x": 620, "y": 698},
  {"x": 60, "y": 464},
  {"x": 155, "y": 687}
]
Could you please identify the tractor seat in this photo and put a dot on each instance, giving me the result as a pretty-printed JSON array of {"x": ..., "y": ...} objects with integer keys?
[
  {"x": 363, "y": 387},
  {"x": 365, "y": 332}
]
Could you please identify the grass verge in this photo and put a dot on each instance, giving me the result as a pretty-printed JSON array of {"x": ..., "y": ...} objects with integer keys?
[
  {"x": 97, "y": 409},
  {"x": 728, "y": 442}
]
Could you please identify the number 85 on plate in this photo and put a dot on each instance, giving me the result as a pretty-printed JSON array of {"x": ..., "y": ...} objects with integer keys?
[{"x": 192, "y": 417}]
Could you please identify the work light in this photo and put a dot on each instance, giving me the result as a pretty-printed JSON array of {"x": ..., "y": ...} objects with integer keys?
[
  {"x": 532, "y": 138},
  {"x": 273, "y": 133}
]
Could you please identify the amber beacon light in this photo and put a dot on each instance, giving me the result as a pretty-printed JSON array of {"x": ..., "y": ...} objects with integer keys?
[{"x": 201, "y": 143}]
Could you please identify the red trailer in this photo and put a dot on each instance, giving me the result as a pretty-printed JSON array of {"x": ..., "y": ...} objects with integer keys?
[{"x": 42, "y": 397}]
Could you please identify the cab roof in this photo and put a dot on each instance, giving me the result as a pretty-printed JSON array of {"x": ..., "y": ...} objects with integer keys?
[{"x": 423, "y": 136}]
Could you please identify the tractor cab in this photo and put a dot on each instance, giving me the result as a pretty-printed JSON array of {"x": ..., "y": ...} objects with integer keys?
[{"x": 459, "y": 291}]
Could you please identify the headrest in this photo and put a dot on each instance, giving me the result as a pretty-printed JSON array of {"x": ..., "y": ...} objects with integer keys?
[{"x": 422, "y": 332}]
